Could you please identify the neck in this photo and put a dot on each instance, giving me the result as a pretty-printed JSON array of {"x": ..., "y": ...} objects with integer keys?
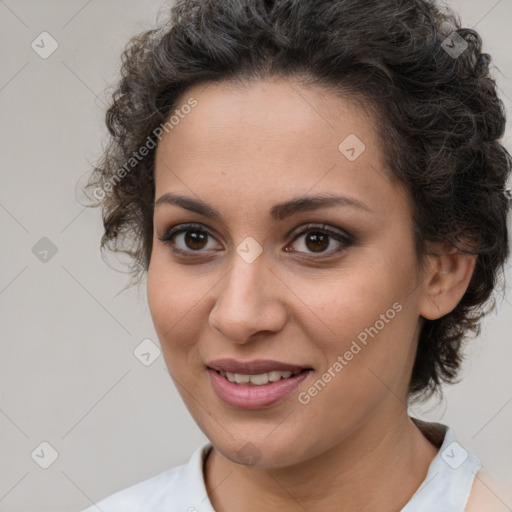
[{"x": 377, "y": 467}]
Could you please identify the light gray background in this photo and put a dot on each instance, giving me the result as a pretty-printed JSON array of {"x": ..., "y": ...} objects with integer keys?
[{"x": 68, "y": 375}]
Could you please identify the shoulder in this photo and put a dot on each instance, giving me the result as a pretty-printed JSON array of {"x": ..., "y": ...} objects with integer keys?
[
  {"x": 134, "y": 497},
  {"x": 487, "y": 494},
  {"x": 168, "y": 491},
  {"x": 450, "y": 476}
]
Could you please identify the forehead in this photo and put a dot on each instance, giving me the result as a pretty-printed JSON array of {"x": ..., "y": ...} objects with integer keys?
[
  {"x": 273, "y": 110},
  {"x": 262, "y": 140}
]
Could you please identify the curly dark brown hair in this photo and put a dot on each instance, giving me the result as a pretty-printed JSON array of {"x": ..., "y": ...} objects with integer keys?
[{"x": 438, "y": 112}]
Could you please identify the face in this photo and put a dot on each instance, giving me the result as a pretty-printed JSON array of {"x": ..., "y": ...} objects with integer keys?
[{"x": 245, "y": 280}]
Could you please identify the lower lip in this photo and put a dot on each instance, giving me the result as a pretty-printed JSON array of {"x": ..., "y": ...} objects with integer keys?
[{"x": 254, "y": 397}]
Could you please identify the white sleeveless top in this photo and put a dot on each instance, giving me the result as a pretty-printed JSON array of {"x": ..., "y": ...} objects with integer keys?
[{"x": 446, "y": 487}]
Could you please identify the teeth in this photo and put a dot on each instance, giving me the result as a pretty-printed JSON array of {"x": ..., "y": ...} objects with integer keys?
[
  {"x": 242, "y": 379},
  {"x": 257, "y": 380},
  {"x": 275, "y": 376},
  {"x": 260, "y": 379}
]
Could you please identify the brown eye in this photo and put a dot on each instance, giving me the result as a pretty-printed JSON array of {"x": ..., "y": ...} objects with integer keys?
[
  {"x": 317, "y": 239},
  {"x": 195, "y": 239},
  {"x": 187, "y": 238}
]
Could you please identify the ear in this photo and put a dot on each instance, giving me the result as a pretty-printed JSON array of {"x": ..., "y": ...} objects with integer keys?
[{"x": 446, "y": 280}]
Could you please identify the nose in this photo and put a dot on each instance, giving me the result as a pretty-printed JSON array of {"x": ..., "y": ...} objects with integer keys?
[{"x": 248, "y": 302}]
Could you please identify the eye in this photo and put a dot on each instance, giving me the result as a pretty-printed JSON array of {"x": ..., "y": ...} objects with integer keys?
[
  {"x": 190, "y": 238},
  {"x": 318, "y": 239},
  {"x": 186, "y": 238}
]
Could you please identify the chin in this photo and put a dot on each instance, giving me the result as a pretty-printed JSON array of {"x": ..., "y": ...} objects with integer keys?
[{"x": 261, "y": 456}]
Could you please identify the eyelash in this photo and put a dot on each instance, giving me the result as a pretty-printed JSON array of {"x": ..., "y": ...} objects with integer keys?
[{"x": 344, "y": 239}]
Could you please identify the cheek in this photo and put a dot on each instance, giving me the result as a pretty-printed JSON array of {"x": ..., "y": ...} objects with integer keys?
[
  {"x": 169, "y": 297},
  {"x": 348, "y": 303},
  {"x": 367, "y": 363},
  {"x": 177, "y": 299},
  {"x": 368, "y": 317}
]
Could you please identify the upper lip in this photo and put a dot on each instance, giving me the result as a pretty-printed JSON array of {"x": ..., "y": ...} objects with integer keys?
[{"x": 253, "y": 367}]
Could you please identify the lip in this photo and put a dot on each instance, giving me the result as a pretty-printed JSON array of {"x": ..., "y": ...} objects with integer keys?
[
  {"x": 254, "y": 397},
  {"x": 253, "y": 367}
]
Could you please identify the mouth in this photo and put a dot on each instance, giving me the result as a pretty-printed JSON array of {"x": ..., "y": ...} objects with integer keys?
[{"x": 254, "y": 384}]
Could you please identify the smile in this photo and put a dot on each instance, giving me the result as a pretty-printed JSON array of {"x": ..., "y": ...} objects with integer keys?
[{"x": 256, "y": 384}]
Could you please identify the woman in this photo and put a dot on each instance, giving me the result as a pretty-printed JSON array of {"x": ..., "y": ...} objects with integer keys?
[{"x": 316, "y": 190}]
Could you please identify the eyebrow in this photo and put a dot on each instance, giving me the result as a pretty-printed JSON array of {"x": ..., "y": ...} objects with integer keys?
[{"x": 279, "y": 211}]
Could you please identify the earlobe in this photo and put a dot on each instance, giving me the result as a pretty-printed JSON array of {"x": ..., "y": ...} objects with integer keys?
[{"x": 446, "y": 282}]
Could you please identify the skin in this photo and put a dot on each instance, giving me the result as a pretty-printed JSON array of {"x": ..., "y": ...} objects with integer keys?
[
  {"x": 242, "y": 150},
  {"x": 489, "y": 495}
]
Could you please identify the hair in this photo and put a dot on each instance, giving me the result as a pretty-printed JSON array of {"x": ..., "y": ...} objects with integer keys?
[{"x": 437, "y": 112}]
